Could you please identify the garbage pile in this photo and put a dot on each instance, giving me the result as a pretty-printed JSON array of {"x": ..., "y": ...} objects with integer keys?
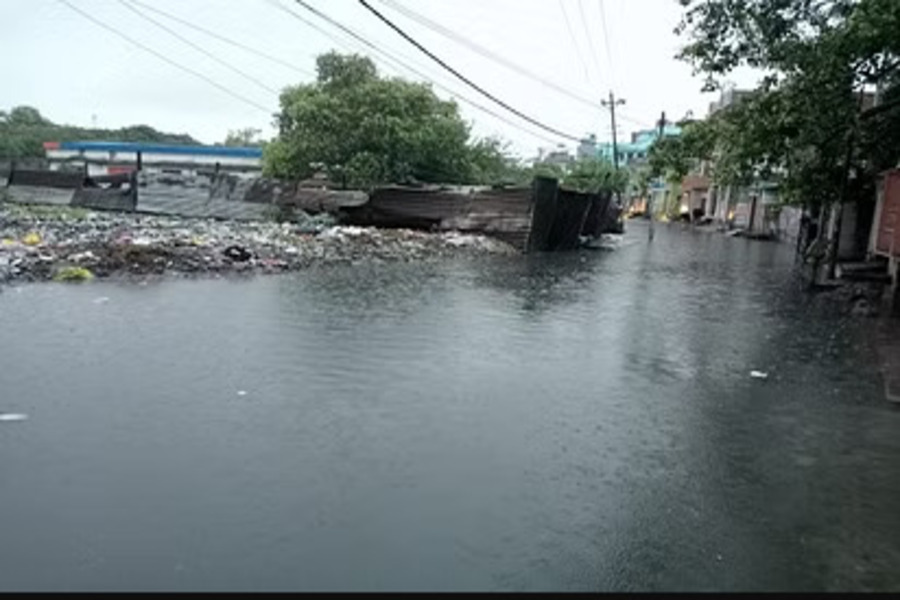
[{"x": 64, "y": 244}]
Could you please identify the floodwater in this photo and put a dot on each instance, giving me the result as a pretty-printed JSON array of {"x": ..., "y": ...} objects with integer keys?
[{"x": 579, "y": 422}]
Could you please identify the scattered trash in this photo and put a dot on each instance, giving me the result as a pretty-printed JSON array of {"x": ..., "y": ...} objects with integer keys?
[
  {"x": 73, "y": 275},
  {"x": 32, "y": 239},
  {"x": 79, "y": 247},
  {"x": 759, "y": 375},
  {"x": 237, "y": 254},
  {"x": 12, "y": 417},
  {"x": 82, "y": 257}
]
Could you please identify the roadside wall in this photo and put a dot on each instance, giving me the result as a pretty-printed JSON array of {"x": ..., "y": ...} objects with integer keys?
[{"x": 541, "y": 218}]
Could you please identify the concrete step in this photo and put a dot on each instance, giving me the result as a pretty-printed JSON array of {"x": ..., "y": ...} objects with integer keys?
[
  {"x": 875, "y": 272},
  {"x": 892, "y": 390}
]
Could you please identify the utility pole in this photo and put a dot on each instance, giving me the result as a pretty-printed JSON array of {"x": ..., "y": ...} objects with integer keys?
[
  {"x": 662, "y": 131},
  {"x": 611, "y": 104}
]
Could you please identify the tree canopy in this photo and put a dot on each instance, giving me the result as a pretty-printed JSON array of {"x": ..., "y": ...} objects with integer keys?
[
  {"x": 362, "y": 129},
  {"x": 23, "y": 131},
  {"x": 247, "y": 137},
  {"x": 595, "y": 176},
  {"x": 810, "y": 123}
]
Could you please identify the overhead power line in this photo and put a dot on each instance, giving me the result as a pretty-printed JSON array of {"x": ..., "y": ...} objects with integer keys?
[
  {"x": 609, "y": 56},
  {"x": 462, "y": 77},
  {"x": 165, "y": 58},
  {"x": 587, "y": 32},
  {"x": 198, "y": 47},
  {"x": 224, "y": 39},
  {"x": 461, "y": 39},
  {"x": 562, "y": 7},
  {"x": 390, "y": 58}
]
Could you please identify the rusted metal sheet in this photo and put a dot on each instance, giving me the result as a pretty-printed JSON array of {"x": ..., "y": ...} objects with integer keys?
[
  {"x": 546, "y": 193},
  {"x": 410, "y": 208},
  {"x": 504, "y": 214},
  {"x": 115, "y": 199},
  {"x": 597, "y": 220},
  {"x": 61, "y": 180},
  {"x": 309, "y": 199},
  {"x": 40, "y": 195},
  {"x": 571, "y": 213}
]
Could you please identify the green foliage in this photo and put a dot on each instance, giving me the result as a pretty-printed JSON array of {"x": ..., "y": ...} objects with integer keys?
[
  {"x": 244, "y": 138},
  {"x": 23, "y": 131},
  {"x": 595, "y": 176},
  {"x": 363, "y": 130},
  {"x": 491, "y": 164},
  {"x": 806, "y": 125},
  {"x": 639, "y": 180},
  {"x": 553, "y": 171},
  {"x": 674, "y": 157},
  {"x": 73, "y": 275}
]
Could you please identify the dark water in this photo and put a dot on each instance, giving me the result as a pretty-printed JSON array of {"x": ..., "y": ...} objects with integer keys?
[{"x": 583, "y": 422}]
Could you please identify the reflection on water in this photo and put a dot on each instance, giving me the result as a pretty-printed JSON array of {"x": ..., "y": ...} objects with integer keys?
[{"x": 576, "y": 422}]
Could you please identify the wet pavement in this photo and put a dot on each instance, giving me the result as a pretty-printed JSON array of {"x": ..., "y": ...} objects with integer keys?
[{"x": 579, "y": 422}]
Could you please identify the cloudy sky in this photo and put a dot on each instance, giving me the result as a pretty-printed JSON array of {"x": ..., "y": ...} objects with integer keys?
[{"x": 77, "y": 72}]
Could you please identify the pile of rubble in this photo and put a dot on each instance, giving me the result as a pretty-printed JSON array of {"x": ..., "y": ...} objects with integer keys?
[{"x": 46, "y": 243}]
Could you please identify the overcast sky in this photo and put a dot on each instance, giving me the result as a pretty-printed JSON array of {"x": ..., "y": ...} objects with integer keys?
[{"x": 76, "y": 72}]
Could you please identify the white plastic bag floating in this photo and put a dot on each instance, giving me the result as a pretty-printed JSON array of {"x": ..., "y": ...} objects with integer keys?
[{"x": 12, "y": 417}]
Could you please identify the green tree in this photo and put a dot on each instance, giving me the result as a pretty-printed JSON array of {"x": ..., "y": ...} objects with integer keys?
[
  {"x": 811, "y": 121},
  {"x": 673, "y": 157},
  {"x": 596, "y": 176},
  {"x": 23, "y": 131},
  {"x": 247, "y": 137},
  {"x": 366, "y": 130},
  {"x": 806, "y": 123},
  {"x": 26, "y": 116},
  {"x": 639, "y": 179},
  {"x": 491, "y": 164}
]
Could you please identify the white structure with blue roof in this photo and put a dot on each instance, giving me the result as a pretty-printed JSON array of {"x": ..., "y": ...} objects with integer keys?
[{"x": 103, "y": 158}]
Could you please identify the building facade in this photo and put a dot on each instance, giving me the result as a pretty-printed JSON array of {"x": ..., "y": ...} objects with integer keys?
[
  {"x": 108, "y": 158},
  {"x": 637, "y": 150}
]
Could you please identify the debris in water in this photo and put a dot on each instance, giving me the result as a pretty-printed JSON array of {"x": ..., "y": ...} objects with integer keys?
[
  {"x": 32, "y": 239},
  {"x": 242, "y": 393},
  {"x": 12, "y": 417},
  {"x": 759, "y": 375},
  {"x": 103, "y": 300}
]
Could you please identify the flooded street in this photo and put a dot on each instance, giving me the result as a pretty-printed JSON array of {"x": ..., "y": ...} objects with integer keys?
[{"x": 568, "y": 422}]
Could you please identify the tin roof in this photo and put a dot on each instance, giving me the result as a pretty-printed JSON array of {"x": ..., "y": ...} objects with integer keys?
[{"x": 216, "y": 151}]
